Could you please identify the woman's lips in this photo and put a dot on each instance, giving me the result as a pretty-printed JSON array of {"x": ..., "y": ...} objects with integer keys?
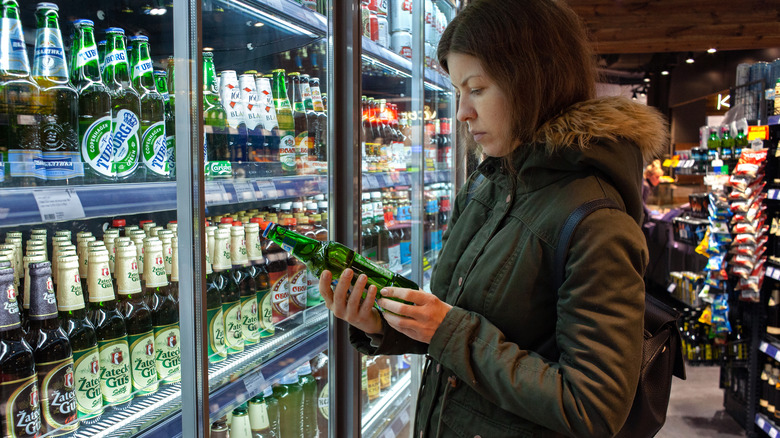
[{"x": 478, "y": 136}]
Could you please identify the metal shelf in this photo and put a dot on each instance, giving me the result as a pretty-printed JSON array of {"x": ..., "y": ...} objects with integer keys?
[
  {"x": 381, "y": 180},
  {"x": 390, "y": 414},
  {"x": 767, "y": 425},
  {"x": 373, "y": 52}
]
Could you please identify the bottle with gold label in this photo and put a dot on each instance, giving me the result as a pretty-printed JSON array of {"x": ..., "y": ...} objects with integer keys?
[
  {"x": 81, "y": 334},
  {"x": 259, "y": 272},
  {"x": 245, "y": 284},
  {"x": 115, "y": 375},
  {"x": 217, "y": 350},
  {"x": 53, "y": 355},
  {"x": 138, "y": 320},
  {"x": 18, "y": 377},
  {"x": 231, "y": 297},
  {"x": 174, "y": 285},
  {"x": 165, "y": 314}
]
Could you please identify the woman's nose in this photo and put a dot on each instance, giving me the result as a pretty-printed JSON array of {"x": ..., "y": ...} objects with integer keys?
[{"x": 466, "y": 111}]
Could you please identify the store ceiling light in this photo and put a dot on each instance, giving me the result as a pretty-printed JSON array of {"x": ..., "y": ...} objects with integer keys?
[
  {"x": 712, "y": 50},
  {"x": 664, "y": 72},
  {"x": 689, "y": 58},
  {"x": 259, "y": 24},
  {"x": 633, "y": 95},
  {"x": 647, "y": 78}
]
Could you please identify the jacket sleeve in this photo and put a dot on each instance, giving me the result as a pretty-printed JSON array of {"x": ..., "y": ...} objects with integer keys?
[
  {"x": 599, "y": 331},
  {"x": 391, "y": 341}
]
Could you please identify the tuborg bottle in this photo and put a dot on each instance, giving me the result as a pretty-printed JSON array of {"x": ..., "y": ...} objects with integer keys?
[
  {"x": 59, "y": 106},
  {"x": 284, "y": 116},
  {"x": 125, "y": 109},
  {"x": 154, "y": 148},
  {"x": 161, "y": 78},
  {"x": 94, "y": 111},
  {"x": 216, "y": 149}
]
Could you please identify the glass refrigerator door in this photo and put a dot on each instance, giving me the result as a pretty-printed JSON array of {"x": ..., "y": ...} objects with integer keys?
[
  {"x": 88, "y": 217},
  {"x": 264, "y": 114}
]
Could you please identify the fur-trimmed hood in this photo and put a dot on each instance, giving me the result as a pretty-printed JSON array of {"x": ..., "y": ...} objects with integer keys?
[{"x": 611, "y": 135}]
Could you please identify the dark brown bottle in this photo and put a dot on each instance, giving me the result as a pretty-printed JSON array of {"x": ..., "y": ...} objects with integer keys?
[
  {"x": 53, "y": 355},
  {"x": 18, "y": 379}
]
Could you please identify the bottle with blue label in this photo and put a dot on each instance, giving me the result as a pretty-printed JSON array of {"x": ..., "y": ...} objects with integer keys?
[
  {"x": 59, "y": 108},
  {"x": 94, "y": 110},
  {"x": 154, "y": 149},
  {"x": 125, "y": 110},
  {"x": 19, "y": 96}
]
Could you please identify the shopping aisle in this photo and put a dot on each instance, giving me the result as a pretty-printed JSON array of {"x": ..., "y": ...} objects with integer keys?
[{"x": 696, "y": 408}]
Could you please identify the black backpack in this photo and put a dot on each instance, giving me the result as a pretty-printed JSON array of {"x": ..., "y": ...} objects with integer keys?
[{"x": 661, "y": 350}]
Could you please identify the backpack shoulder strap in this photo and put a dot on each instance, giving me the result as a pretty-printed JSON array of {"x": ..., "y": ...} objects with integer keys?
[
  {"x": 473, "y": 188},
  {"x": 567, "y": 233}
]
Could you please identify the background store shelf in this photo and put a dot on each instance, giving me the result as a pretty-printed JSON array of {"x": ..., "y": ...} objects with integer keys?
[
  {"x": 389, "y": 415},
  {"x": 381, "y": 180},
  {"x": 767, "y": 425}
]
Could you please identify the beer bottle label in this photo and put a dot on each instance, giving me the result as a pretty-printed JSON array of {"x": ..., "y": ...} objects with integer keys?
[
  {"x": 298, "y": 286},
  {"x": 125, "y": 141},
  {"x": 385, "y": 377},
  {"x": 156, "y": 276},
  {"x": 313, "y": 296},
  {"x": 115, "y": 381},
  {"x": 22, "y": 413},
  {"x": 142, "y": 68},
  {"x": 86, "y": 371},
  {"x": 58, "y": 395},
  {"x": 114, "y": 58},
  {"x": 49, "y": 57},
  {"x": 26, "y": 162},
  {"x": 85, "y": 55},
  {"x": 217, "y": 348},
  {"x": 168, "y": 360},
  {"x": 130, "y": 283},
  {"x": 14, "y": 49},
  {"x": 234, "y": 338},
  {"x": 280, "y": 302},
  {"x": 96, "y": 148},
  {"x": 373, "y": 388},
  {"x": 142, "y": 362},
  {"x": 323, "y": 402},
  {"x": 170, "y": 149},
  {"x": 249, "y": 320},
  {"x": 266, "y": 313},
  {"x": 48, "y": 302},
  {"x": 302, "y": 145},
  {"x": 9, "y": 316},
  {"x": 258, "y": 416},
  {"x": 155, "y": 149},
  {"x": 287, "y": 152}
]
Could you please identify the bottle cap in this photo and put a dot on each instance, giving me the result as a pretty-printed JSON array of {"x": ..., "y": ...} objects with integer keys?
[
  {"x": 118, "y": 30},
  {"x": 290, "y": 378},
  {"x": 139, "y": 38},
  {"x": 116, "y": 223},
  {"x": 226, "y": 220},
  {"x": 290, "y": 222},
  {"x": 83, "y": 22},
  {"x": 304, "y": 369},
  {"x": 268, "y": 392},
  {"x": 47, "y": 6},
  {"x": 237, "y": 224}
]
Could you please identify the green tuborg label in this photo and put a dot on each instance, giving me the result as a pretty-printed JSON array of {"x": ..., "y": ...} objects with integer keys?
[
  {"x": 155, "y": 149},
  {"x": 168, "y": 360},
  {"x": 86, "y": 372},
  {"x": 125, "y": 142},
  {"x": 96, "y": 148},
  {"x": 115, "y": 381},
  {"x": 142, "y": 367},
  {"x": 217, "y": 348}
]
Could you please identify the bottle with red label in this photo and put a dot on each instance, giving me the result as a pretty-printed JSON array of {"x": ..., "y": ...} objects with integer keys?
[
  {"x": 276, "y": 264},
  {"x": 297, "y": 274}
]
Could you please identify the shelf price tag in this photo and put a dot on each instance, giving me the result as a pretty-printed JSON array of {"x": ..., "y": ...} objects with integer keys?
[
  {"x": 671, "y": 287},
  {"x": 215, "y": 193},
  {"x": 244, "y": 191},
  {"x": 265, "y": 189},
  {"x": 760, "y": 422},
  {"x": 254, "y": 383},
  {"x": 373, "y": 183},
  {"x": 58, "y": 205}
]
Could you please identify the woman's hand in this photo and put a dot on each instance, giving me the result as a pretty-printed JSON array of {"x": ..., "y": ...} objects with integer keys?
[
  {"x": 358, "y": 312},
  {"x": 419, "y": 321}
]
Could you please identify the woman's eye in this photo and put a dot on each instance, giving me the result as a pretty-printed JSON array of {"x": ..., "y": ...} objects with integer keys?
[{"x": 476, "y": 90}]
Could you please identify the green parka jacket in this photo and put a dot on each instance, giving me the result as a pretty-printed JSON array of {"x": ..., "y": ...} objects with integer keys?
[{"x": 484, "y": 377}]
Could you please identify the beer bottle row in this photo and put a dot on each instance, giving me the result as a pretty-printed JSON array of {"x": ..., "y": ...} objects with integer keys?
[
  {"x": 297, "y": 406},
  {"x": 255, "y": 128},
  {"x": 90, "y": 341},
  {"x": 105, "y": 119},
  {"x": 702, "y": 347}
]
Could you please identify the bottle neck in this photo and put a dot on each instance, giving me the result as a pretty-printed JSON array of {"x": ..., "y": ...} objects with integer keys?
[
  {"x": 117, "y": 69},
  {"x": 49, "y": 55},
  {"x": 143, "y": 71},
  {"x": 210, "y": 91},
  {"x": 13, "y": 61}
]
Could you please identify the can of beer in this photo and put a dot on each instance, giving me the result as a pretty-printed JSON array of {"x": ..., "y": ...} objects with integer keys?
[
  {"x": 401, "y": 43},
  {"x": 383, "y": 37},
  {"x": 401, "y": 16}
]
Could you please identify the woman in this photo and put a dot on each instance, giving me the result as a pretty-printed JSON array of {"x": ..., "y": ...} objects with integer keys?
[
  {"x": 653, "y": 174},
  {"x": 525, "y": 80}
]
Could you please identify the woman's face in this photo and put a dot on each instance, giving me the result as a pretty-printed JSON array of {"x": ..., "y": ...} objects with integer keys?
[{"x": 482, "y": 104}]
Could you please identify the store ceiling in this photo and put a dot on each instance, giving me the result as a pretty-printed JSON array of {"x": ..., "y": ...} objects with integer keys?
[{"x": 653, "y": 26}]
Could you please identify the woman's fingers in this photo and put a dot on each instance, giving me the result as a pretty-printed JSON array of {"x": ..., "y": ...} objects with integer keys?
[{"x": 325, "y": 289}]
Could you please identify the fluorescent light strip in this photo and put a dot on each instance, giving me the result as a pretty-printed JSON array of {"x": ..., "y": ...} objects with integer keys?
[{"x": 278, "y": 21}]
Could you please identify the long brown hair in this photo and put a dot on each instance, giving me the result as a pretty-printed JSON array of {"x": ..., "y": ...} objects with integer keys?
[{"x": 537, "y": 51}]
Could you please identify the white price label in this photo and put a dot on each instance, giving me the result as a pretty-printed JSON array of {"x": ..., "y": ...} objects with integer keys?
[
  {"x": 244, "y": 191},
  {"x": 254, "y": 382},
  {"x": 215, "y": 193},
  {"x": 58, "y": 205},
  {"x": 266, "y": 189},
  {"x": 760, "y": 422},
  {"x": 773, "y": 433},
  {"x": 671, "y": 288},
  {"x": 776, "y": 274},
  {"x": 763, "y": 347}
]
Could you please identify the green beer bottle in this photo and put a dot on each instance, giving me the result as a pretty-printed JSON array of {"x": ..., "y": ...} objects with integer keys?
[
  {"x": 154, "y": 148},
  {"x": 19, "y": 118},
  {"x": 311, "y": 120},
  {"x": 161, "y": 78},
  {"x": 165, "y": 314},
  {"x": 310, "y": 399},
  {"x": 216, "y": 147},
  {"x": 59, "y": 107},
  {"x": 245, "y": 284},
  {"x": 272, "y": 407},
  {"x": 231, "y": 297},
  {"x": 138, "y": 320},
  {"x": 125, "y": 109},
  {"x": 18, "y": 379},
  {"x": 83, "y": 341},
  {"x": 300, "y": 122},
  {"x": 290, "y": 396},
  {"x": 53, "y": 355},
  {"x": 334, "y": 257},
  {"x": 321, "y": 135},
  {"x": 259, "y": 272},
  {"x": 115, "y": 375},
  {"x": 217, "y": 350},
  {"x": 284, "y": 116},
  {"x": 101, "y": 45},
  {"x": 94, "y": 112}
]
